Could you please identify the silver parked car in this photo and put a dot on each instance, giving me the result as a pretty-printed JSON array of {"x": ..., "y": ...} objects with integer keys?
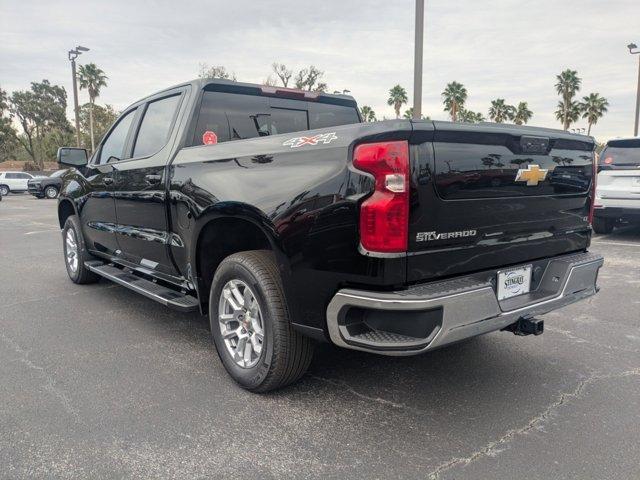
[{"x": 618, "y": 190}]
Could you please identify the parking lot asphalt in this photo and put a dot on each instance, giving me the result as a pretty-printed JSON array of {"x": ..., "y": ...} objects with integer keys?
[{"x": 98, "y": 382}]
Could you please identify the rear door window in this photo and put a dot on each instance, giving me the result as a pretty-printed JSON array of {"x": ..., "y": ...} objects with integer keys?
[{"x": 156, "y": 126}]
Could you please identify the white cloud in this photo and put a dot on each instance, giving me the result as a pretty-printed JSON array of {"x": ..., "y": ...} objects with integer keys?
[{"x": 504, "y": 48}]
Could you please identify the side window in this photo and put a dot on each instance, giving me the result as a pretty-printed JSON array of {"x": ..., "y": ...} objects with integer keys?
[
  {"x": 113, "y": 146},
  {"x": 24, "y": 176},
  {"x": 11, "y": 176},
  {"x": 156, "y": 126}
]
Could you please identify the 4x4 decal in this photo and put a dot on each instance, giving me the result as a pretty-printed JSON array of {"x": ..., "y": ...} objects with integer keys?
[{"x": 314, "y": 140}]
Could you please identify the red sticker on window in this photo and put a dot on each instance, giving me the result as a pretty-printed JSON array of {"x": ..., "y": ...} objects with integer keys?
[{"x": 209, "y": 138}]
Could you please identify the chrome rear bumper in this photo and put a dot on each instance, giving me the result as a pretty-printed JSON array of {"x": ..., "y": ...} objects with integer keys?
[{"x": 454, "y": 309}]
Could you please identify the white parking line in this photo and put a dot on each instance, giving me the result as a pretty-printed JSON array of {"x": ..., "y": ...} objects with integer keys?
[
  {"x": 41, "y": 231},
  {"x": 596, "y": 242}
]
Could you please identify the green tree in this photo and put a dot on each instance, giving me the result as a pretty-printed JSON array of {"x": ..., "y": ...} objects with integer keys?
[
  {"x": 568, "y": 114},
  {"x": 500, "y": 111},
  {"x": 469, "y": 116},
  {"x": 215, "y": 71},
  {"x": 39, "y": 111},
  {"x": 8, "y": 134},
  {"x": 408, "y": 114},
  {"x": 310, "y": 79},
  {"x": 91, "y": 79},
  {"x": 397, "y": 98},
  {"x": 567, "y": 85},
  {"x": 454, "y": 97},
  {"x": 368, "y": 115},
  {"x": 103, "y": 118},
  {"x": 282, "y": 72},
  {"x": 593, "y": 108},
  {"x": 522, "y": 114}
]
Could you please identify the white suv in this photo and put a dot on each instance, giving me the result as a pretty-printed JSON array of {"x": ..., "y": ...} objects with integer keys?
[
  {"x": 618, "y": 187},
  {"x": 14, "y": 182}
]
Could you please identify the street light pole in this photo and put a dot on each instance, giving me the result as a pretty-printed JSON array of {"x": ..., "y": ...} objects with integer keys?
[
  {"x": 633, "y": 50},
  {"x": 73, "y": 54},
  {"x": 417, "y": 61}
]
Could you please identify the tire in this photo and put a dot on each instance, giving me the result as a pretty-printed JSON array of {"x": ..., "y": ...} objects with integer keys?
[
  {"x": 51, "y": 192},
  {"x": 4, "y": 190},
  {"x": 284, "y": 353},
  {"x": 603, "y": 225},
  {"x": 72, "y": 234}
]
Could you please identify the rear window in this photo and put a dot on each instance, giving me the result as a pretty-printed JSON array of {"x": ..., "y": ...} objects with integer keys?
[
  {"x": 621, "y": 154},
  {"x": 237, "y": 116}
]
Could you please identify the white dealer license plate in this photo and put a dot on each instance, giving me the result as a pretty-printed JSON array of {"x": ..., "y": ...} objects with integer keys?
[{"x": 513, "y": 282}]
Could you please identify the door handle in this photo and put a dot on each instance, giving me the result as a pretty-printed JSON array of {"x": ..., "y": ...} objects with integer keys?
[
  {"x": 152, "y": 179},
  {"x": 108, "y": 180}
]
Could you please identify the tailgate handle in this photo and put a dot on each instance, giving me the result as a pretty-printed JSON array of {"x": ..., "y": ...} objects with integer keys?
[{"x": 539, "y": 145}]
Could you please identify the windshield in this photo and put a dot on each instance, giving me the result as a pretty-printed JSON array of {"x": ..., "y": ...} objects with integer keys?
[
  {"x": 57, "y": 173},
  {"x": 621, "y": 154}
]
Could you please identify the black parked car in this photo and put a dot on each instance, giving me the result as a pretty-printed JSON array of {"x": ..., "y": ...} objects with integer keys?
[
  {"x": 287, "y": 220},
  {"x": 47, "y": 187}
]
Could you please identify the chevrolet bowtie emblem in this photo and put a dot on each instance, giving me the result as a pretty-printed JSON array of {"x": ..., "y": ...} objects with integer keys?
[{"x": 533, "y": 174}]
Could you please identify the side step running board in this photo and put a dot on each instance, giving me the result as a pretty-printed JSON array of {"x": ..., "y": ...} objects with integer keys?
[{"x": 167, "y": 296}]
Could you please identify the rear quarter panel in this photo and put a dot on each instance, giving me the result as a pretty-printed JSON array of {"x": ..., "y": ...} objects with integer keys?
[{"x": 304, "y": 197}]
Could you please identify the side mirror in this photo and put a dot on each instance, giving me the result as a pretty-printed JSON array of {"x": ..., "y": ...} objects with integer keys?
[{"x": 71, "y": 156}]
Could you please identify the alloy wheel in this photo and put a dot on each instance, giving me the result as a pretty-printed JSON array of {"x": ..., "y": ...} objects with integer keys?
[
  {"x": 240, "y": 322},
  {"x": 71, "y": 250},
  {"x": 51, "y": 192}
]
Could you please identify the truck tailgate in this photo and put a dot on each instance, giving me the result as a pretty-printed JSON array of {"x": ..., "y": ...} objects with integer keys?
[{"x": 489, "y": 195}]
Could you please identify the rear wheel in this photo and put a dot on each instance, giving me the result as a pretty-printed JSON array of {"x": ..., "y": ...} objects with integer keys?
[
  {"x": 4, "y": 190},
  {"x": 51, "y": 192},
  {"x": 250, "y": 324},
  {"x": 75, "y": 253},
  {"x": 603, "y": 225}
]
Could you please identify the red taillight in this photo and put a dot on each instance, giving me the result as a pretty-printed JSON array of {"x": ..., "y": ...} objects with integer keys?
[{"x": 384, "y": 216}]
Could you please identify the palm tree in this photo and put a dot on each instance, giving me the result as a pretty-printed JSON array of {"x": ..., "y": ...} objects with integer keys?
[
  {"x": 568, "y": 83},
  {"x": 368, "y": 115},
  {"x": 593, "y": 107},
  {"x": 454, "y": 96},
  {"x": 469, "y": 116},
  {"x": 523, "y": 114},
  {"x": 500, "y": 111},
  {"x": 397, "y": 98},
  {"x": 92, "y": 79},
  {"x": 408, "y": 114},
  {"x": 568, "y": 114}
]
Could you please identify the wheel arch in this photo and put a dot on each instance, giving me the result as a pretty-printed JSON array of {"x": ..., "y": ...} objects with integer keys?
[
  {"x": 222, "y": 234},
  {"x": 66, "y": 208}
]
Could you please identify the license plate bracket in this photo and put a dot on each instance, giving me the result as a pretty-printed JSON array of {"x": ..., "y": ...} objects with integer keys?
[{"x": 513, "y": 282}]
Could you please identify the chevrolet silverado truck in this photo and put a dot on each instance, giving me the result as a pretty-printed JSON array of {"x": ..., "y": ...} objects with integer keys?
[{"x": 287, "y": 220}]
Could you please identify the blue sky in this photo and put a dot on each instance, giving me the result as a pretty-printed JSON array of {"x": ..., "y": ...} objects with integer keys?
[{"x": 503, "y": 48}]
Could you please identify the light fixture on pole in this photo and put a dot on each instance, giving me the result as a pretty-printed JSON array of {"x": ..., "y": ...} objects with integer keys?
[
  {"x": 634, "y": 50},
  {"x": 73, "y": 54}
]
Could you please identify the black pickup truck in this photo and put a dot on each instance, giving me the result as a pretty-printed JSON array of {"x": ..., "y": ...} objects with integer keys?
[{"x": 287, "y": 220}]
